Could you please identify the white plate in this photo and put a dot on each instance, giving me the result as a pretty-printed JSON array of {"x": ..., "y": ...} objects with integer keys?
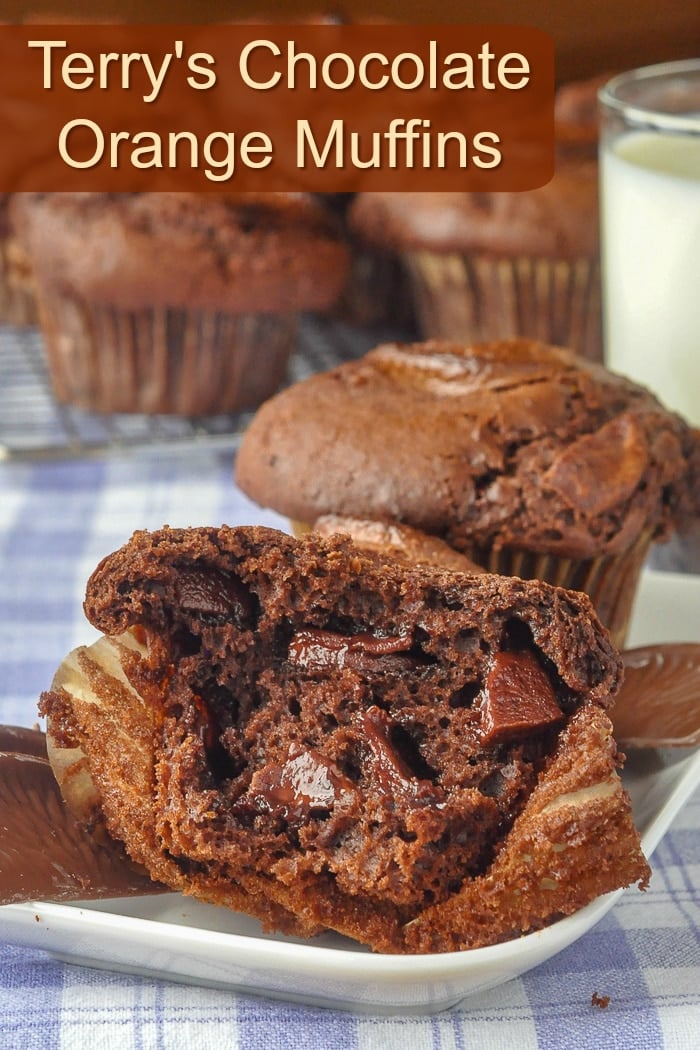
[{"x": 177, "y": 938}]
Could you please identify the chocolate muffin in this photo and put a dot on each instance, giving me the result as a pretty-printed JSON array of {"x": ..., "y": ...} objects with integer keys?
[
  {"x": 525, "y": 457},
  {"x": 175, "y": 302},
  {"x": 496, "y": 265},
  {"x": 389, "y": 539},
  {"x": 421, "y": 760}
]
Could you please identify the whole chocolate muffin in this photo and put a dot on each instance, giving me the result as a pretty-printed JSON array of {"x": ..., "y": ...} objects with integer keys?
[
  {"x": 525, "y": 457},
  {"x": 175, "y": 302},
  {"x": 421, "y": 760},
  {"x": 497, "y": 265}
]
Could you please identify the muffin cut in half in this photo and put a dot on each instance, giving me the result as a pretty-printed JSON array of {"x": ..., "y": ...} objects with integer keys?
[{"x": 421, "y": 760}]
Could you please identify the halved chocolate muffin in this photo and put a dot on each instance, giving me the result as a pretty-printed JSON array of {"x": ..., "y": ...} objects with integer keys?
[{"x": 421, "y": 760}]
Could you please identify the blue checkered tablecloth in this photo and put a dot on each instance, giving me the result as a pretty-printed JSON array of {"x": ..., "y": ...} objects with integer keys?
[{"x": 57, "y": 519}]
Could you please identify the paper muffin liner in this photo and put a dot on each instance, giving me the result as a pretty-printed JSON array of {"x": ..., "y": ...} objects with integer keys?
[
  {"x": 610, "y": 581},
  {"x": 17, "y": 295},
  {"x": 377, "y": 292},
  {"x": 477, "y": 298},
  {"x": 170, "y": 361},
  {"x": 299, "y": 528}
]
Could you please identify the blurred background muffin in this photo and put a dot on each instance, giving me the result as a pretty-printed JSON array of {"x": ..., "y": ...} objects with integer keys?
[
  {"x": 496, "y": 265},
  {"x": 378, "y": 291},
  {"x": 175, "y": 302}
]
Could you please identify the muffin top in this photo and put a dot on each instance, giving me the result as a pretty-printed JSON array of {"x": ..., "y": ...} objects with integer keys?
[
  {"x": 576, "y": 111},
  {"x": 558, "y": 220},
  {"x": 510, "y": 443},
  {"x": 555, "y": 221},
  {"x": 391, "y": 540},
  {"x": 260, "y": 253}
]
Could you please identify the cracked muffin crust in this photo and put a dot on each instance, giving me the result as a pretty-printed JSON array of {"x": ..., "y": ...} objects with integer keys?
[
  {"x": 510, "y": 443},
  {"x": 522, "y": 456},
  {"x": 418, "y": 759}
]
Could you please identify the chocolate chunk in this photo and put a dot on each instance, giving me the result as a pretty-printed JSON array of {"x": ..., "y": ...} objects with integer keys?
[
  {"x": 517, "y": 698},
  {"x": 213, "y": 594},
  {"x": 305, "y": 785},
  {"x": 316, "y": 650},
  {"x": 391, "y": 769},
  {"x": 602, "y": 470}
]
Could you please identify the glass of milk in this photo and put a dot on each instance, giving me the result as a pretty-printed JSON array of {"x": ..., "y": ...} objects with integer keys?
[
  {"x": 650, "y": 226},
  {"x": 650, "y": 232}
]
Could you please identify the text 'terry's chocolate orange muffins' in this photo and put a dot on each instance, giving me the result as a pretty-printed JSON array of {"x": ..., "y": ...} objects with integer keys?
[
  {"x": 527, "y": 458},
  {"x": 175, "y": 302}
]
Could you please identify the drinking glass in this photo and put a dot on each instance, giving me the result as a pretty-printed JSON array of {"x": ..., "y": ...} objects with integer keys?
[
  {"x": 650, "y": 226},
  {"x": 650, "y": 232}
]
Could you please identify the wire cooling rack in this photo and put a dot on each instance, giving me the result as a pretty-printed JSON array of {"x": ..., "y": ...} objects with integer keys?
[{"x": 34, "y": 425}]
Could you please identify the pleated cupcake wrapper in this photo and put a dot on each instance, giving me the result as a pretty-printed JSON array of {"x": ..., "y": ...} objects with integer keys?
[
  {"x": 378, "y": 291},
  {"x": 299, "y": 528},
  {"x": 184, "y": 362},
  {"x": 609, "y": 581},
  {"x": 478, "y": 298},
  {"x": 17, "y": 296}
]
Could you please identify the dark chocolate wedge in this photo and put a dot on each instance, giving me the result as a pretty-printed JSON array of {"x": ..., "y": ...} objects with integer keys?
[
  {"x": 44, "y": 853},
  {"x": 659, "y": 703}
]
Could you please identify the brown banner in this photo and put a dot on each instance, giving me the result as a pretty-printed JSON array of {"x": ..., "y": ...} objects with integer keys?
[{"x": 329, "y": 108}]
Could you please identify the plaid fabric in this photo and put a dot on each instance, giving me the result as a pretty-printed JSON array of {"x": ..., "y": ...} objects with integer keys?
[{"x": 57, "y": 519}]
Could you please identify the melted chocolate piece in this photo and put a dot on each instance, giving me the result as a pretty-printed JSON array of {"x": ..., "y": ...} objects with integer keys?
[
  {"x": 602, "y": 470},
  {"x": 517, "y": 698},
  {"x": 391, "y": 769},
  {"x": 305, "y": 785},
  {"x": 317, "y": 650},
  {"x": 208, "y": 729},
  {"x": 44, "y": 853},
  {"x": 212, "y": 594}
]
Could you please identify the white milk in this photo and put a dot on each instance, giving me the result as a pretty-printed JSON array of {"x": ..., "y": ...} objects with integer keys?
[{"x": 650, "y": 200}]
